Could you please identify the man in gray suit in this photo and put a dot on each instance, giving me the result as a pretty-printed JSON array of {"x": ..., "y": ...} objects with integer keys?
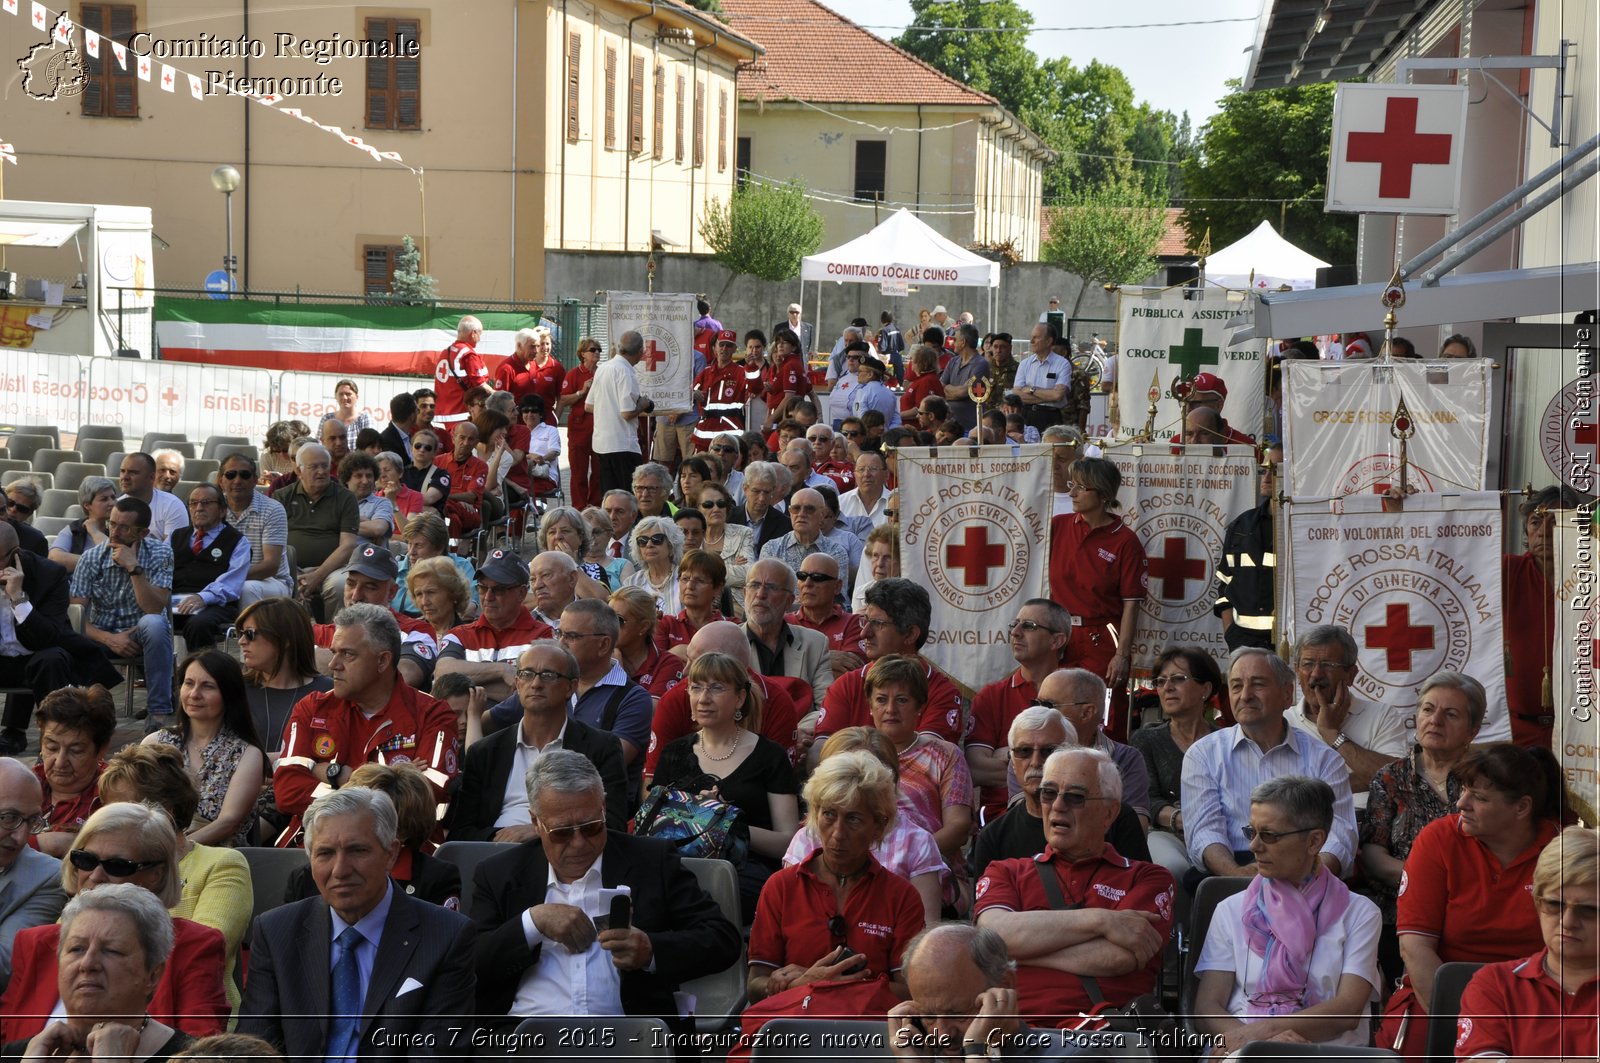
[
  {"x": 777, "y": 646},
  {"x": 363, "y": 969},
  {"x": 30, "y": 881}
]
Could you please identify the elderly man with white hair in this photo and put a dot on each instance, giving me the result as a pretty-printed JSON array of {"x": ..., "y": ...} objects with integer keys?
[
  {"x": 169, "y": 468},
  {"x": 806, "y": 509},
  {"x": 324, "y": 520},
  {"x": 554, "y": 578},
  {"x": 763, "y": 487},
  {"x": 461, "y": 375}
]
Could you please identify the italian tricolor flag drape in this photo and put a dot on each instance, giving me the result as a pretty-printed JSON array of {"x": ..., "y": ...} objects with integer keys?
[{"x": 345, "y": 338}]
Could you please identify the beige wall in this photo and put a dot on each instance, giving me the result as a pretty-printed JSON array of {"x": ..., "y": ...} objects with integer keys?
[
  {"x": 492, "y": 113},
  {"x": 972, "y": 180},
  {"x": 1572, "y": 232}
]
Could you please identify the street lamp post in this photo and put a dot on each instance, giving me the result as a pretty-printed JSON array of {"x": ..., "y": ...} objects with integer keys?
[{"x": 225, "y": 179}]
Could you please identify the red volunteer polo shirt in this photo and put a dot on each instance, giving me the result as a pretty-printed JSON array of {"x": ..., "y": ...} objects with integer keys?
[
  {"x": 845, "y": 705},
  {"x": 1094, "y": 570},
  {"x": 882, "y": 915},
  {"x": 842, "y": 629},
  {"x": 1517, "y": 1009},
  {"x": 992, "y": 712}
]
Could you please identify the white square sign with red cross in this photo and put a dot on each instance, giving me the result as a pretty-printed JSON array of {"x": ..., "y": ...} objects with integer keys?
[{"x": 1397, "y": 149}]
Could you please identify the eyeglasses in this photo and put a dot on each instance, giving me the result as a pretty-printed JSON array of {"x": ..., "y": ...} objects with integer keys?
[
  {"x": 20, "y": 507},
  {"x": 818, "y": 577},
  {"x": 1176, "y": 679},
  {"x": 574, "y": 636},
  {"x": 202, "y": 503},
  {"x": 869, "y": 623},
  {"x": 716, "y": 690},
  {"x": 851, "y": 435},
  {"x": 650, "y": 540},
  {"x": 726, "y": 449},
  {"x": 1551, "y": 906},
  {"x": 591, "y": 829},
  {"x": 1045, "y": 703},
  {"x": 116, "y": 866},
  {"x": 547, "y": 675},
  {"x": 715, "y": 503},
  {"x": 249, "y": 634},
  {"x": 11, "y": 819},
  {"x": 1271, "y": 837},
  {"x": 1029, "y": 625},
  {"x": 1027, "y": 752},
  {"x": 805, "y": 508},
  {"x": 237, "y": 474},
  {"x": 428, "y": 447},
  {"x": 1320, "y": 666},
  {"x": 760, "y": 587},
  {"x": 1048, "y": 795}
]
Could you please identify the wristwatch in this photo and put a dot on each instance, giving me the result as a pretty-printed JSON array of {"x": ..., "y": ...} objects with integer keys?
[
  {"x": 136, "y": 570},
  {"x": 1340, "y": 740},
  {"x": 335, "y": 773}
]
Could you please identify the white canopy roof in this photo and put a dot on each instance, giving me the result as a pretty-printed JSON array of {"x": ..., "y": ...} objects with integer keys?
[
  {"x": 1263, "y": 262},
  {"x": 902, "y": 248}
]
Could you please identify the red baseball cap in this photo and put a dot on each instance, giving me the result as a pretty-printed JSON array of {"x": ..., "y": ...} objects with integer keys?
[
  {"x": 1210, "y": 382},
  {"x": 727, "y": 335}
]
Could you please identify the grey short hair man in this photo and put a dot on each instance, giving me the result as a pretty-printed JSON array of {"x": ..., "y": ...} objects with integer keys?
[
  {"x": 356, "y": 799},
  {"x": 1366, "y": 734}
]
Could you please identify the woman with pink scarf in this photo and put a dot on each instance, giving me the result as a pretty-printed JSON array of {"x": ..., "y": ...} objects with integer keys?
[{"x": 1295, "y": 956}]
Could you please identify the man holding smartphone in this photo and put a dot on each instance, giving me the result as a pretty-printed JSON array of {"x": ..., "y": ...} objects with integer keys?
[{"x": 963, "y": 999}]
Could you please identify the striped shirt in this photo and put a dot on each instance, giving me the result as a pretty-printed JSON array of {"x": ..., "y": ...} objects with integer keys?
[
  {"x": 264, "y": 524},
  {"x": 1221, "y": 770}
]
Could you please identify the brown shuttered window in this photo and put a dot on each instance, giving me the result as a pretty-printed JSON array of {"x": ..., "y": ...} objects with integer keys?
[
  {"x": 699, "y": 123},
  {"x": 636, "y": 106},
  {"x": 611, "y": 98},
  {"x": 110, "y": 91},
  {"x": 394, "y": 82},
  {"x": 722, "y": 130},
  {"x": 574, "y": 55},
  {"x": 658, "y": 146},
  {"x": 680, "y": 103},
  {"x": 378, "y": 278}
]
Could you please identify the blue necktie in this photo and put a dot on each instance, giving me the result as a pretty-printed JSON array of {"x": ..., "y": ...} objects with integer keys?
[{"x": 345, "y": 1026}]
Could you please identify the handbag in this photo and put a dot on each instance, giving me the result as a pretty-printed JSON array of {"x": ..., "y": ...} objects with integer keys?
[{"x": 696, "y": 826}]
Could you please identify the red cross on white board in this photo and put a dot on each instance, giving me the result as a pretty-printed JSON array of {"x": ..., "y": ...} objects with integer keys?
[
  {"x": 1586, "y": 434},
  {"x": 1397, "y": 149},
  {"x": 1173, "y": 565},
  {"x": 1398, "y": 637},
  {"x": 654, "y": 356},
  {"x": 975, "y": 553},
  {"x": 169, "y": 396}
]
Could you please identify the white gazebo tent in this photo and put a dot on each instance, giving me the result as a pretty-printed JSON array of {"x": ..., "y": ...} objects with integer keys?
[
  {"x": 1263, "y": 262},
  {"x": 902, "y": 249}
]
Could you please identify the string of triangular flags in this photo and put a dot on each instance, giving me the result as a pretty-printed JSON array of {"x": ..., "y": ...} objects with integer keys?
[{"x": 144, "y": 67}]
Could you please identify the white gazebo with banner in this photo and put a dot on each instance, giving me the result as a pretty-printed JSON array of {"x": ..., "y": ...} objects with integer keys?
[
  {"x": 1263, "y": 261},
  {"x": 901, "y": 251}
]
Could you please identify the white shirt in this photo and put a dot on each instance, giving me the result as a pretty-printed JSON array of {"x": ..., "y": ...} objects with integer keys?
[
  {"x": 167, "y": 515},
  {"x": 839, "y": 397},
  {"x": 1051, "y": 371},
  {"x": 514, "y": 811},
  {"x": 1349, "y": 947},
  {"x": 1369, "y": 725},
  {"x": 613, "y": 392},
  {"x": 850, "y": 505},
  {"x": 563, "y": 982}
]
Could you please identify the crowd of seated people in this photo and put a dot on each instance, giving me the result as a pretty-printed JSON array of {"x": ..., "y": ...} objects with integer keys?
[{"x": 732, "y": 634}]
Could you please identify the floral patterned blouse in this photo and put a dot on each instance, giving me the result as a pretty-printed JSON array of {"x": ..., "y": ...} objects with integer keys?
[
  {"x": 1399, "y": 804},
  {"x": 218, "y": 763}
]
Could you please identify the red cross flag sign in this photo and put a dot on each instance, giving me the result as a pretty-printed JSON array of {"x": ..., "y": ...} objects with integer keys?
[
  {"x": 666, "y": 321},
  {"x": 1397, "y": 149},
  {"x": 1418, "y": 590}
]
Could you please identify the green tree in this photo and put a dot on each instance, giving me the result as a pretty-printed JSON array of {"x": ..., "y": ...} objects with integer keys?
[
  {"x": 710, "y": 7},
  {"x": 410, "y": 284},
  {"x": 1264, "y": 155},
  {"x": 989, "y": 54},
  {"x": 762, "y": 230},
  {"x": 1106, "y": 235}
]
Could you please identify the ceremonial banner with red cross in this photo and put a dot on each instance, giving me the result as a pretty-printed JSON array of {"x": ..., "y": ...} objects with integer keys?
[
  {"x": 1339, "y": 436},
  {"x": 1418, "y": 589},
  {"x": 1164, "y": 336},
  {"x": 975, "y": 523},
  {"x": 1180, "y": 507},
  {"x": 1397, "y": 149},
  {"x": 666, "y": 372},
  {"x": 1572, "y": 673}
]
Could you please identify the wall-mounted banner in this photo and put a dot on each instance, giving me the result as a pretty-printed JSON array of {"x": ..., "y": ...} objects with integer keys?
[
  {"x": 666, "y": 372},
  {"x": 979, "y": 540},
  {"x": 1180, "y": 506},
  {"x": 1572, "y": 672},
  {"x": 1163, "y": 336},
  {"x": 1419, "y": 590},
  {"x": 1338, "y": 418}
]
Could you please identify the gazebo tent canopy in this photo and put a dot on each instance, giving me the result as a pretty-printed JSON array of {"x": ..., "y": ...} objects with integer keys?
[
  {"x": 1263, "y": 261},
  {"x": 902, "y": 248}
]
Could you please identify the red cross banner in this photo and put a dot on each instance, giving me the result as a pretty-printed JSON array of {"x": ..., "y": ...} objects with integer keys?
[
  {"x": 1419, "y": 590},
  {"x": 978, "y": 538},
  {"x": 1164, "y": 336},
  {"x": 1397, "y": 149},
  {"x": 1338, "y": 418},
  {"x": 666, "y": 321},
  {"x": 1180, "y": 506},
  {"x": 1572, "y": 673}
]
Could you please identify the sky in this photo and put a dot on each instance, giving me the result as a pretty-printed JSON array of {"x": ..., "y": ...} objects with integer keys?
[{"x": 1173, "y": 68}]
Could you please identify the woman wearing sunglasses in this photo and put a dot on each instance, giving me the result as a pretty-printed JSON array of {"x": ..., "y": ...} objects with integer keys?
[
  {"x": 1187, "y": 681},
  {"x": 659, "y": 543},
  {"x": 812, "y": 922},
  {"x": 1295, "y": 956},
  {"x": 280, "y": 666},
  {"x": 423, "y": 476},
  {"x": 132, "y": 843},
  {"x": 734, "y": 543}
]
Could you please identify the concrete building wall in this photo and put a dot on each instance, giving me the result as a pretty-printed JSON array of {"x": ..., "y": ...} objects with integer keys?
[{"x": 1570, "y": 233}]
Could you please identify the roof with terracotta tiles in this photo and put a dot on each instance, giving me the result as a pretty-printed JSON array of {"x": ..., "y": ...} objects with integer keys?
[{"x": 818, "y": 55}]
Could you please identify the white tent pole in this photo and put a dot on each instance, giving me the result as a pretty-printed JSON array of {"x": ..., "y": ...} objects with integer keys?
[{"x": 816, "y": 326}]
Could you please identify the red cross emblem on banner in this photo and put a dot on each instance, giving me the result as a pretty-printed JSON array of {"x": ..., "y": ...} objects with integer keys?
[
  {"x": 1174, "y": 565},
  {"x": 654, "y": 356},
  {"x": 1398, "y": 148},
  {"x": 975, "y": 553},
  {"x": 1398, "y": 637}
]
